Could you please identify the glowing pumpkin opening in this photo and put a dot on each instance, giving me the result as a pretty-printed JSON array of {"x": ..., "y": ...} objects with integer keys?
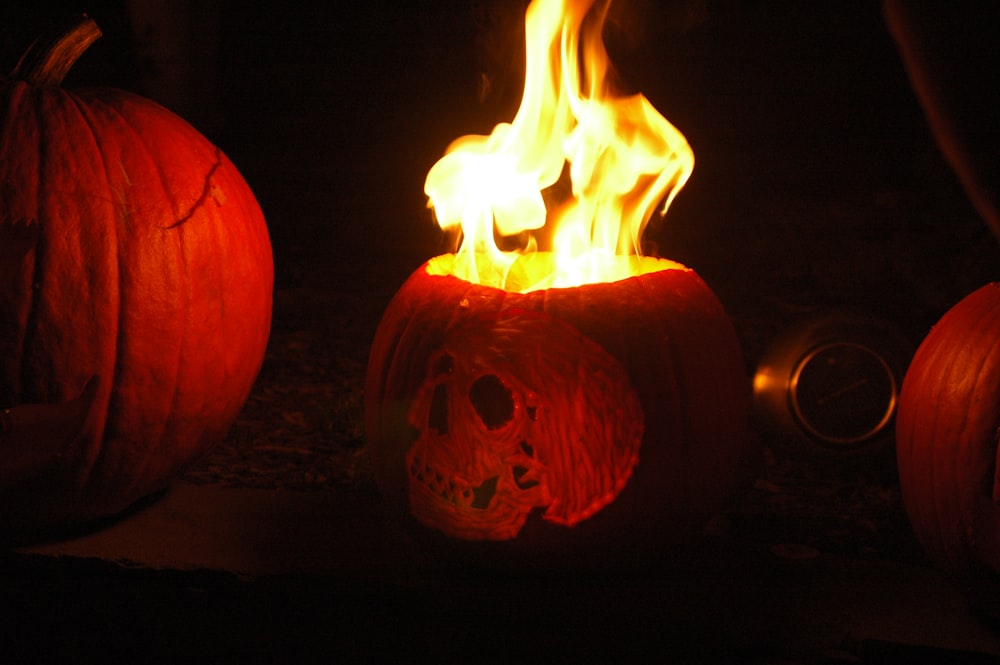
[{"x": 546, "y": 382}]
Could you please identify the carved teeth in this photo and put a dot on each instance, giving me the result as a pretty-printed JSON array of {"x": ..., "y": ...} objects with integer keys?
[{"x": 459, "y": 494}]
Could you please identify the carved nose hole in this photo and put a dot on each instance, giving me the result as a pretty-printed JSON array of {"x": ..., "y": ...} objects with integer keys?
[
  {"x": 443, "y": 364},
  {"x": 492, "y": 400},
  {"x": 519, "y": 479},
  {"x": 482, "y": 495},
  {"x": 520, "y": 471},
  {"x": 437, "y": 419}
]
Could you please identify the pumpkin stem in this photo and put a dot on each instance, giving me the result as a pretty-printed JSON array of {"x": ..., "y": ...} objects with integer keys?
[{"x": 49, "y": 58}]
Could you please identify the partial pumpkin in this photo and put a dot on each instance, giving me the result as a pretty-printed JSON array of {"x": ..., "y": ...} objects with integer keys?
[
  {"x": 586, "y": 426},
  {"x": 947, "y": 431},
  {"x": 135, "y": 293}
]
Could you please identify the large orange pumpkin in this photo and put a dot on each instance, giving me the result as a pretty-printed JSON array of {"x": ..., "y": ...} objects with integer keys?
[
  {"x": 135, "y": 293},
  {"x": 562, "y": 427},
  {"x": 947, "y": 431}
]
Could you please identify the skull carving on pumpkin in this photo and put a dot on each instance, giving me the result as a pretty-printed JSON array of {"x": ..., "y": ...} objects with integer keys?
[{"x": 519, "y": 411}]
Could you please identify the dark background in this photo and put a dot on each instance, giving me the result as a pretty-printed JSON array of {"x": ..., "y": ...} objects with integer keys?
[{"x": 816, "y": 182}]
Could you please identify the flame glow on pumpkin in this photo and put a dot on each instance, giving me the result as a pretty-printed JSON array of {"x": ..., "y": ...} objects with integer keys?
[{"x": 620, "y": 156}]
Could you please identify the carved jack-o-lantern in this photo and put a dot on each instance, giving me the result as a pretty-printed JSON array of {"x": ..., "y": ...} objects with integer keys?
[
  {"x": 603, "y": 418},
  {"x": 551, "y": 395},
  {"x": 518, "y": 424}
]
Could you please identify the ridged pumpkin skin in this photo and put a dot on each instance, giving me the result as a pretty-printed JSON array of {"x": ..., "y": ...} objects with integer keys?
[
  {"x": 665, "y": 332},
  {"x": 135, "y": 262},
  {"x": 947, "y": 429}
]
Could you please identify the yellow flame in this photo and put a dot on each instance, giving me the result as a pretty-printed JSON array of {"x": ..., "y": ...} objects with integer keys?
[{"x": 621, "y": 158}]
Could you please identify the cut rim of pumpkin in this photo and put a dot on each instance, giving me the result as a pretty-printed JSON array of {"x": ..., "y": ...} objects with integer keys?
[{"x": 529, "y": 272}]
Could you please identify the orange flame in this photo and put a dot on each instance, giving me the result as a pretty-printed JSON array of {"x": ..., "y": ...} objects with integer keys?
[{"x": 621, "y": 157}]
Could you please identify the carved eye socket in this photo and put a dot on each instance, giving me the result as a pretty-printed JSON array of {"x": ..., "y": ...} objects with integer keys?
[{"x": 492, "y": 400}]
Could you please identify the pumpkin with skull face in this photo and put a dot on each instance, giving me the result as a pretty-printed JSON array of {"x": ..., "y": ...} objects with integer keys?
[
  {"x": 605, "y": 417},
  {"x": 513, "y": 425}
]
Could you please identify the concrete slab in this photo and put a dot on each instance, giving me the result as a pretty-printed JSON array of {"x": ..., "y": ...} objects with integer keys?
[
  {"x": 250, "y": 533},
  {"x": 263, "y": 554}
]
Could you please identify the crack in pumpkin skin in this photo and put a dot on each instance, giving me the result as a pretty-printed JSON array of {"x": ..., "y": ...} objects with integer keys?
[{"x": 210, "y": 190}]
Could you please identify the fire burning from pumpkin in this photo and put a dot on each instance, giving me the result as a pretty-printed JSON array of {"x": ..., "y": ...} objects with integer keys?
[
  {"x": 616, "y": 155},
  {"x": 569, "y": 397}
]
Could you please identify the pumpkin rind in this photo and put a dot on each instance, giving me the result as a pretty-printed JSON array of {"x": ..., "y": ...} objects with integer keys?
[
  {"x": 947, "y": 434},
  {"x": 680, "y": 352},
  {"x": 147, "y": 269}
]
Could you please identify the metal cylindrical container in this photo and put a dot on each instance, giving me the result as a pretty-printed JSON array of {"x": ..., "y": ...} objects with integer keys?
[{"x": 830, "y": 382}]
